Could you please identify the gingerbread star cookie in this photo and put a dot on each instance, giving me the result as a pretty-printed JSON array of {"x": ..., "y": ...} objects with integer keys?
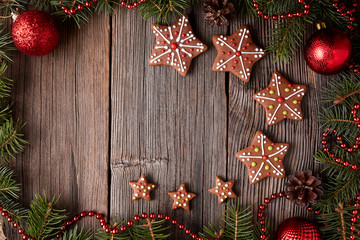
[
  {"x": 142, "y": 188},
  {"x": 181, "y": 198},
  {"x": 223, "y": 190},
  {"x": 281, "y": 99},
  {"x": 176, "y": 45},
  {"x": 263, "y": 158},
  {"x": 236, "y": 53}
]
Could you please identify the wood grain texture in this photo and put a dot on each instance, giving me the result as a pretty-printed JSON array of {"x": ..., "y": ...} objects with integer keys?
[
  {"x": 64, "y": 98},
  {"x": 98, "y": 116},
  {"x": 169, "y": 127},
  {"x": 246, "y": 116}
]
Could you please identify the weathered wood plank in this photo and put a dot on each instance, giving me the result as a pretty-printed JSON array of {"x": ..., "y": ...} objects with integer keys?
[
  {"x": 169, "y": 127},
  {"x": 246, "y": 117},
  {"x": 64, "y": 98}
]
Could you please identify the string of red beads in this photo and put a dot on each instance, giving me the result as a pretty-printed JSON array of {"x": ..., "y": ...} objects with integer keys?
[
  {"x": 10, "y": 220},
  {"x": 355, "y": 216},
  {"x": 88, "y": 4},
  {"x": 267, "y": 201},
  {"x": 129, "y": 223},
  {"x": 285, "y": 15},
  {"x": 104, "y": 225},
  {"x": 339, "y": 139},
  {"x": 346, "y": 12}
]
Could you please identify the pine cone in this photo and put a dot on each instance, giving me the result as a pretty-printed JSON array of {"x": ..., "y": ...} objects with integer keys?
[
  {"x": 304, "y": 188},
  {"x": 217, "y": 11}
]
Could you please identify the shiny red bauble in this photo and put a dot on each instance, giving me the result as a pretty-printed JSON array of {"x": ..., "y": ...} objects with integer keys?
[
  {"x": 35, "y": 33},
  {"x": 328, "y": 51},
  {"x": 297, "y": 228}
]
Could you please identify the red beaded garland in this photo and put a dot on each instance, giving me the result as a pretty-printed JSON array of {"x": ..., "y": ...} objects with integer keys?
[
  {"x": 88, "y": 4},
  {"x": 260, "y": 12},
  {"x": 105, "y": 226},
  {"x": 343, "y": 145},
  {"x": 263, "y": 206}
]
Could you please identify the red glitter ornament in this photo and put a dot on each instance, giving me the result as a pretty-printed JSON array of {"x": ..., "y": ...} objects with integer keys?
[
  {"x": 297, "y": 228},
  {"x": 35, "y": 33},
  {"x": 328, "y": 51}
]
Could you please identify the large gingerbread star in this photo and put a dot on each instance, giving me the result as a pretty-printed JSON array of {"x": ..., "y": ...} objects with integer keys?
[
  {"x": 142, "y": 188},
  {"x": 223, "y": 190},
  {"x": 281, "y": 99},
  {"x": 181, "y": 198},
  {"x": 236, "y": 53},
  {"x": 263, "y": 158},
  {"x": 176, "y": 45}
]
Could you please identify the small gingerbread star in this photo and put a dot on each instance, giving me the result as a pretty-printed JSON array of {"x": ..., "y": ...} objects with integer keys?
[
  {"x": 223, "y": 190},
  {"x": 181, "y": 198},
  {"x": 236, "y": 53},
  {"x": 281, "y": 99},
  {"x": 142, "y": 188},
  {"x": 263, "y": 158},
  {"x": 176, "y": 45}
]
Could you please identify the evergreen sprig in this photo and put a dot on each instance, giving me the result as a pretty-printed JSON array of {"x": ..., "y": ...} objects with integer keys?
[
  {"x": 14, "y": 209},
  {"x": 337, "y": 222},
  {"x": 236, "y": 224},
  {"x": 77, "y": 234},
  {"x": 9, "y": 187},
  {"x": 11, "y": 140},
  {"x": 163, "y": 9},
  {"x": 43, "y": 5},
  {"x": 80, "y": 17},
  {"x": 5, "y": 83},
  {"x": 149, "y": 229},
  {"x": 45, "y": 219},
  {"x": 342, "y": 181}
]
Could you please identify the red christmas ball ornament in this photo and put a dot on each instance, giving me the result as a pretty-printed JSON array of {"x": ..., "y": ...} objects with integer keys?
[
  {"x": 328, "y": 51},
  {"x": 297, "y": 228},
  {"x": 35, "y": 33}
]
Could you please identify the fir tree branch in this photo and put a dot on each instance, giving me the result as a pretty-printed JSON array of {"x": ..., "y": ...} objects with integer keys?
[
  {"x": 9, "y": 187},
  {"x": 340, "y": 210},
  {"x": 14, "y": 209},
  {"x": 236, "y": 225},
  {"x": 76, "y": 234},
  {"x": 11, "y": 140},
  {"x": 48, "y": 210},
  {"x": 44, "y": 218},
  {"x": 341, "y": 99},
  {"x": 149, "y": 225}
]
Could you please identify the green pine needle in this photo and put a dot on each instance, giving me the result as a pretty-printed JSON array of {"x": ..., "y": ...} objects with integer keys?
[
  {"x": 11, "y": 140},
  {"x": 15, "y": 210},
  {"x": 336, "y": 222},
  {"x": 9, "y": 187},
  {"x": 236, "y": 225},
  {"x": 77, "y": 234},
  {"x": 45, "y": 219},
  {"x": 148, "y": 229}
]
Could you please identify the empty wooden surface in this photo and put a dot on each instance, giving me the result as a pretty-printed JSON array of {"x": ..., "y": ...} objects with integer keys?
[{"x": 98, "y": 116}]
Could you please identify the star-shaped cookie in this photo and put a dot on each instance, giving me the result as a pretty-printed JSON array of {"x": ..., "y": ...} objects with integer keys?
[
  {"x": 142, "y": 188},
  {"x": 176, "y": 45},
  {"x": 223, "y": 190},
  {"x": 263, "y": 158},
  {"x": 281, "y": 99},
  {"x": 236, "y": 53},
  {"x": 181, "y": 198}
]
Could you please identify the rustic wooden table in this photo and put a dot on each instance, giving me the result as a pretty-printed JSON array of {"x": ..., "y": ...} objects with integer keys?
[{"x": 98, "y": 116}]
